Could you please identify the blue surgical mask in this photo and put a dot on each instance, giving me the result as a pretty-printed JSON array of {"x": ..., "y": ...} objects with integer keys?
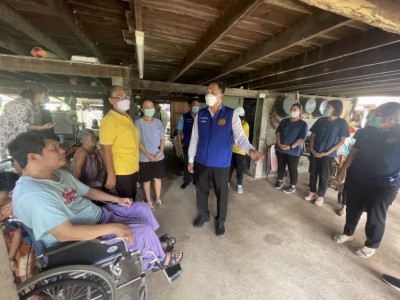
[
  {"x": 149, "y": 112},
  {"x": 376, "y": 122},
  {"x": 195, "y": 109}
]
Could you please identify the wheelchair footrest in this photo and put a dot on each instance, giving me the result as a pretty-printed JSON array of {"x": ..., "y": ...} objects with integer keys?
[{"x": 173, "y": 272}]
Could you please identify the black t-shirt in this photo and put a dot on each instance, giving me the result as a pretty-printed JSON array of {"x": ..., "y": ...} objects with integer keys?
[{"x": 378, "y": 157}]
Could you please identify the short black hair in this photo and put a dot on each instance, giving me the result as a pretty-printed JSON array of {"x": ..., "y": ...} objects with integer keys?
[
  {"x": 220, "y": 85},
  {"x": 390, "y": 109},
  {"x": 190, "y": 101},
  {"x": 29, "y": 142},
  {"x": 337, "y": 107},
  {"x": 299, "y": 106},
  {"x": 7, "y": 181}
]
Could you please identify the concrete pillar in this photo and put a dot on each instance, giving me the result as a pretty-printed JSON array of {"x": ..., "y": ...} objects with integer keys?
[
  {"x": 263, "y": 133},
  {"x": 7, "y": 286}
]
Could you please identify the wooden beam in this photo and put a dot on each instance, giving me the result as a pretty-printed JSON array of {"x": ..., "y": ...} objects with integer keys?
[
  {"x": 31, "y": 7},
  {"x": 376, "y": 56},
  {"x": 13, "y": 45},
  {"x": 187, "y": 88},
  {"x": 300, "y": 32},
  {"x": 229, "y": 18},
  {"x": 49, "y": 66},
  {"x": 378, "y": 13},
  {"x": 292, "y": 5},
  {"x": 365, "y": 41},
  {"x": 367, "y": 90},
  {"x": 136, "y": 5},
  {"x": 72, "y": 21},
  {"x": 10, "y": 16}
]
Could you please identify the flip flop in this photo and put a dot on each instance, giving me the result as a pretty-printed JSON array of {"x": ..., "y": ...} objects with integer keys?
[
  {"x": 160, "y": 204},
  {"x": 169, "y": 240}
]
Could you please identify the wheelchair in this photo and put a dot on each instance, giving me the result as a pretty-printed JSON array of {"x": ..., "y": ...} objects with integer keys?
[{"x": 84, "y": 270}]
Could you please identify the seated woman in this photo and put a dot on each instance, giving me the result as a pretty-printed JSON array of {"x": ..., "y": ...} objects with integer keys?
[
  {"x": 55, "y": 204},
  {"x": 87, "y": 164}
]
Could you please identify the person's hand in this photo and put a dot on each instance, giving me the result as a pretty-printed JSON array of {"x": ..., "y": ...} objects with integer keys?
[
  {"x": 179, "y": 151},
  {"x": 157, "y": 156},
  {"x": 312, "y": 151},
  {"x": 126, "y": 202},
  {"x": 124, "y": 232},
  {"x": 255, "y": 155},
  {"x": 111, "y": 181},
  {"x": 13, "y": 264},
  {"x": 48, "y": 126},
  {"x": 321, "y": 154},
  {"x": 190, "y": 167},
  {"x": 285, "y": 147},
  {"x": 150, "y": 157}
]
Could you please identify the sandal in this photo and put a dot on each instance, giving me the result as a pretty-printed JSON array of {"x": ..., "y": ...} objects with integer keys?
[
  {"x": 160, "y": 204},
  {"x": 169, "y": 241},
  {"x": 151, "y": 205},
  {"x": 173, "y": 258},
  {"x": 365, "y": 252}
]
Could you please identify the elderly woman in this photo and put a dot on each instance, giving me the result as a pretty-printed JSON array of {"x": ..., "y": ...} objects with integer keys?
[
  {"x": 327, "y": 135},
  {"x": 119, "y": 142},
  {"x": 87, "y": 165},
  {"x": 152, "y": 142},
  {"x": 22, "y": 114}
]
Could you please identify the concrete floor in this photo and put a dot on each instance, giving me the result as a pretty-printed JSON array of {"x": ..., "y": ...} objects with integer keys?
[{"x": 276, "y": 246}]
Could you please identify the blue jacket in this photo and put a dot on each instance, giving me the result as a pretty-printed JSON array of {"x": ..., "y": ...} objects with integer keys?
[
  {"x": 214, "y": 148},
  {"x": 187, "y": 128}
]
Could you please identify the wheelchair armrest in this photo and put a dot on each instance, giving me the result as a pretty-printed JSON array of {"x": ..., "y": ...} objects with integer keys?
[{"x": 94, "y": 252}]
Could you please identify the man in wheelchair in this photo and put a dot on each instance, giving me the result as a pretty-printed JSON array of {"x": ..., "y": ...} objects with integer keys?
[{"x": 57, "y": 207}]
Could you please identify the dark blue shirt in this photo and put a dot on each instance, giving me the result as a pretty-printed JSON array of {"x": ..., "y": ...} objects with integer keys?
[
  {"x": 378, "y": 157},
  {"x": 327, "y": 133},
  {"x": 290, "y": 132}
]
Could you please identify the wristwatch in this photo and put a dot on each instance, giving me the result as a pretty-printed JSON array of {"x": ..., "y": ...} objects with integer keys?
[{"x": 291, "y": 147}]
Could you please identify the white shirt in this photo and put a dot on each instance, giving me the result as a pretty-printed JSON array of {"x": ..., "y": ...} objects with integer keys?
[{"x": 238, "y": 136}]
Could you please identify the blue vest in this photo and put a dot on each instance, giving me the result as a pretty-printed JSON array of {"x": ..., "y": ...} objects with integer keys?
[
  {"x": 214, "y": 148},
  {"x": 187, "y": 128}
]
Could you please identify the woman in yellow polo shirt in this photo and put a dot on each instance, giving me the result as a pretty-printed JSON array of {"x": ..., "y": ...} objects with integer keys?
[
  {"x": 119, "y": 142},
  {"x": 238, "y": 155}
]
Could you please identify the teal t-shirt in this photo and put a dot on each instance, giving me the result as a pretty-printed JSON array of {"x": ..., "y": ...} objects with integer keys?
[{"x": 43, "y": 204}]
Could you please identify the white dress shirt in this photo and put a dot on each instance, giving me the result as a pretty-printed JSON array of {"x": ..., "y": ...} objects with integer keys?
[{"x": 238, "y": 136}]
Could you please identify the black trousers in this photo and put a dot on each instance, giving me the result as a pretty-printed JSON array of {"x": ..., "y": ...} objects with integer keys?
[
  {"x": 320, "y": 170},
  {"x": 237, "y": 163},
  {"x": 219, "y": 177},
  {"x": 187, "y": 176},
  {"x": 376, "y": 201},
  {"x": 292, "y": 162},
  {"x": 126, "y": 185}
]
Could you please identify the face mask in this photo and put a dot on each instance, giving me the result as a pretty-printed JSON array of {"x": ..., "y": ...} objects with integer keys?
[
  {"x": 211, "y": 100},
  {"x": 149, "y": 112},
  {"x": 295, "y": 113},
  {"x": 375, "y": 122},
  {"x": 327, "y": 113},
  {"x": 195, "y": 109},
  {"x": 124, "y": 105}
]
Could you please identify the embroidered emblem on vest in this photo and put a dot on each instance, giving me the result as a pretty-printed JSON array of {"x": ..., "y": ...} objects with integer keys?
[{"x": 221, "y": 122}]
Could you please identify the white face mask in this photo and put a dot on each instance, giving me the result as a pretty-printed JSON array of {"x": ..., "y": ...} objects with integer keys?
[
  {"x": 211, "y": 100},
  {"x": 295, "y": 113},
  {"x": 124, "y": 105}
]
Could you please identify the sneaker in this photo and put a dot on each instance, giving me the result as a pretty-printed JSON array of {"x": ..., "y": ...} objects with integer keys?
[
  {"x": 341, "y": 238},
  {"x": 289, "y": 189},
  {"x": 365, "y": 252},
  {"x": 311, "y": 196},
  {"x": 278, "y": 184},
  {"x": 319, "y": 201},
  {"x": 240, "y": 189},
  {"x": 392, "y": 281},
  {"x": 341, "y": 211}
]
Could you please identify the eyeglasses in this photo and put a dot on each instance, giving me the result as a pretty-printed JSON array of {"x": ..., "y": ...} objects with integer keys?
[{"x": 121, "y": 98}]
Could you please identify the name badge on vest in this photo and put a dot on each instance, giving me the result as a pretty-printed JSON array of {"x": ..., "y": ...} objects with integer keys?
[
  {"x": 221, "y": 122},
  {"x": 203, "y": 119}
]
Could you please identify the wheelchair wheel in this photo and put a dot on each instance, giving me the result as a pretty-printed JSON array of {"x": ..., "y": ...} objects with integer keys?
[
  {"x": 72, "y": 289},
  {"x": 75, "y": 277}
]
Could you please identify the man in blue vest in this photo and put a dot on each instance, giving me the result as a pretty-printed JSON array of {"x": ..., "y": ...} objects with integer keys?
[
  {"x": 215, "y": 129},
  {"x": 185, "y": 125}
]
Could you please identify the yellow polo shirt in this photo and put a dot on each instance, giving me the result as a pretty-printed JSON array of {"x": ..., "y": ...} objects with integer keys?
[
  {"x": 119, "y": 131},
  {"x": 246, "y": 129}
]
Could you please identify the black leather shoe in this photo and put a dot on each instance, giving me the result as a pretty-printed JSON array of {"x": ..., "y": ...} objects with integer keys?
[
  {"x": 199, "y": 222},
  {"x": 220, "y": 230},
  {"x": 184, "y": 185}
]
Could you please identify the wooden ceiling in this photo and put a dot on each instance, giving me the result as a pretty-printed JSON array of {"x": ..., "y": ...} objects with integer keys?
[{"x": 282, "y": 45}]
